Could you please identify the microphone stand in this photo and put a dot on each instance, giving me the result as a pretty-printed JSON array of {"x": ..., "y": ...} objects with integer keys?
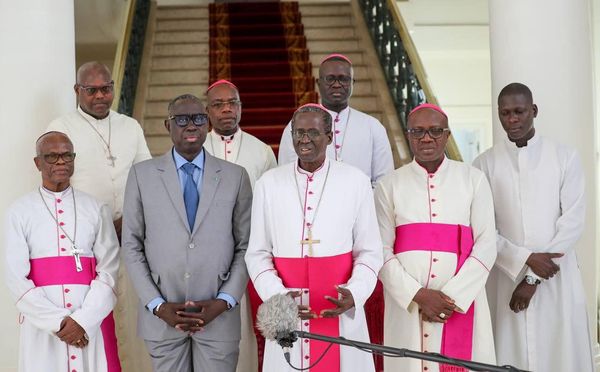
[{"x": 403, "y": 353}]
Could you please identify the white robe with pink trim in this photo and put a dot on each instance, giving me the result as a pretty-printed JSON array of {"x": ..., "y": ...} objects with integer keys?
[
  {"x": 31, "y": 233},
  {"x": 345, "y": 224},
  {"x": 455, "y": 194}
]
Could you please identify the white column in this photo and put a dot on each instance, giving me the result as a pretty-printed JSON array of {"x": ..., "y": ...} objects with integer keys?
[
  {"x": 37, "y": 71},
  {"x": 547, "y": 45}
]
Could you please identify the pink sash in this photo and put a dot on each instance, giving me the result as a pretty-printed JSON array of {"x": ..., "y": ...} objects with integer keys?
[
  {"x": 319, "y": 275},
  {"x": 457, "y": 336},
  {"x": 61, "y": 271}
]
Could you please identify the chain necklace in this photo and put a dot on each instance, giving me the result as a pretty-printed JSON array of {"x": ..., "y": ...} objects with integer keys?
[
  {"x": 309, "y": 226},
  {"x": 74, "y": 251},
  {"x": 212, "y": 147},
  {"x": 339, "y": 158},
  {"x": 110, "y": 157}
]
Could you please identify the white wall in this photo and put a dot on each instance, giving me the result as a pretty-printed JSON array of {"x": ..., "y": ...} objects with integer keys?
[{"x": 35, "y": 69}]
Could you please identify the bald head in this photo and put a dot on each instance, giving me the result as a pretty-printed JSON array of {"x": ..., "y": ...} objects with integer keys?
[
  {"x": 48, "y": 137},
  {"x": 94, "y": 89},
  {"x": 515, "y": 89},
  {"x": 92, "y": 69}
]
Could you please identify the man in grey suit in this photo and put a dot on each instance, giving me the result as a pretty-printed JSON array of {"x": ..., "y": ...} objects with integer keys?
[{"x": 186, "y": 223}]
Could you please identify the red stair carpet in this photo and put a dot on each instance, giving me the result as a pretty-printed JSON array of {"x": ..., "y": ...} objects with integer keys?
[{"x": 261, "y": 48}]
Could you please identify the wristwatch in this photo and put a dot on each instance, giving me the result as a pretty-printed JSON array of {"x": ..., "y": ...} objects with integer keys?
[{"x": 531, "y": 280}]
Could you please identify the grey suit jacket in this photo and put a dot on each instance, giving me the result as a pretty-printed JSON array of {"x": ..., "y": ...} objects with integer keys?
[{"x": 164, "y": 258}]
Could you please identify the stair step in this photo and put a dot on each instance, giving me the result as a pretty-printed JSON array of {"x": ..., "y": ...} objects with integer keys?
[
  {"x": 166, "y": 37},
  {"x": 360, "y": 71},
  {"x": 317, "y": 57},
  {"x": 159, "y": 145},
  {"x": 179, "y": 63},
  {"x": 173, "y": 49},
  {"x": 341, "y": 46},
  {"x": 330, "y": 34},
  {"x": 327, "y": 21},
  {"x": 257, "y": 30},
  {"x": 182, "y": 25},
  {"x": 364, "y": 103},
  {"x": 178, "y": 77},
  {"x": 172, "y": 12},
  {"x": 323, "y": 9},
  {"x": 169, "y": 92}
]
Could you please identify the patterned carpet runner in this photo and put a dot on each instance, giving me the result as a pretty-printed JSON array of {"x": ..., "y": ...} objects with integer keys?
[{"x": 261, "y": 48}]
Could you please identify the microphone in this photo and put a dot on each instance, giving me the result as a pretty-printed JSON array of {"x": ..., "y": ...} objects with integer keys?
[{"x": 277, "y": 319}]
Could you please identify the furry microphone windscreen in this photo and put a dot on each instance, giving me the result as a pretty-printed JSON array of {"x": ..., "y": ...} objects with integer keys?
[{"x": 277, "y": 316}]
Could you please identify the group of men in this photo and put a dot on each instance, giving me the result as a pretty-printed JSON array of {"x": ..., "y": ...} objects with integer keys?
[{"x": 194, "y": 225}]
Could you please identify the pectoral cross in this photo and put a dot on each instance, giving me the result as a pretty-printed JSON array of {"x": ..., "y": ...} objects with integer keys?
[
  {"x": 76, "y": 252},
  {"x": 309, "y": 240},
  {"x": 112, "y": 159}
]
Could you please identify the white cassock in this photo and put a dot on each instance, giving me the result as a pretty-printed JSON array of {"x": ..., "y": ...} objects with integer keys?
[
  {"x": 338, "y": 202},
  {"x": 358, "y": 139},
  {"x": 41, "y": 275},
  {"x": 95, "y": 175},
  {"x": 256, "y": 157},
  {"x": 421, "y": 216},
  {"x": 94, "y": 172},
  {"x": 540, "y": 207},
  {"x": 242, "y": 149}
]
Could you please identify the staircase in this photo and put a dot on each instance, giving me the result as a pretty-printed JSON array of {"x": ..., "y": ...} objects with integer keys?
[{"x": 176, "y": 61}]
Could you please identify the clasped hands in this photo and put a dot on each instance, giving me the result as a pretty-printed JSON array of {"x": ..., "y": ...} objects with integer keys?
[
  {"x": 72, "y": 333},
  {"x": 543, "y": 266},
  {"x": 191, "y": 316},
  {"x": 434, "y": 305},
  {"x": 343, "y": 303}
]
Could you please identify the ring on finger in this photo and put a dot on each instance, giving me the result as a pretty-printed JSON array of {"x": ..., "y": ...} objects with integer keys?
[{"x": 442, "y": 315}]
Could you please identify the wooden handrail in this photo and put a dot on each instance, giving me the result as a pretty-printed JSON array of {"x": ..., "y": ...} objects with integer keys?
[{"x": 118, "y": 70}]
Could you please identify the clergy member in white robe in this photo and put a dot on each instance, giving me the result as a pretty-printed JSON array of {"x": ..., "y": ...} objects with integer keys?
[
  {"x": 358, "y": 139},
  {"x": 314, "y": 231},
  {"x": 227, "y": 141},
  {"x": 64, "y": 290},
  {"x": 538, "y": 186},
  {"x": 107, "y": 145},
  {"x": 437, "y": 225}
]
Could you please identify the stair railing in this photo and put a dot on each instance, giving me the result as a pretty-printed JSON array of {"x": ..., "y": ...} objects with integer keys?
[
  {"x": 404, "y": 71},
  {"x": 129, "y": 55}
]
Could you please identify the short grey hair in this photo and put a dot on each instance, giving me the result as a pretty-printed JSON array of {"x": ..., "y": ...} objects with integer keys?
[{"x": 327, "y": 121}]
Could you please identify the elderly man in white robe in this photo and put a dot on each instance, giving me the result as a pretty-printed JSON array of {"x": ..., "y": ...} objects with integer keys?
[
  {"x": 107, "y": 145},
  {"x": 314, "y": 234},
  {"x": 229, "y": 142},
  {"x": 358, "y": 139},
  {"x": 61, "y": 266},
  {"x": 437, "y": 225},
  {"x": 535, "y": 289}
]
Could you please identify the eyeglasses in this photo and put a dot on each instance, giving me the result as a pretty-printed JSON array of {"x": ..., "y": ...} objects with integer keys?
[
  {"x": 91, "y": 91},
  {"x": 52, "y": 158},
  {"x": 234, "y": 103},
  {"x": 419, "y": 133},
  {"x": 184, "y": 119},
  {"x": 342, "y": 79},
  {"x": 299, "y": 134}
]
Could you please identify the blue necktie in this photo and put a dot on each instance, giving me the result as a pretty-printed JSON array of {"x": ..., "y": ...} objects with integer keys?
[{"x": 190, "y": 194}]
